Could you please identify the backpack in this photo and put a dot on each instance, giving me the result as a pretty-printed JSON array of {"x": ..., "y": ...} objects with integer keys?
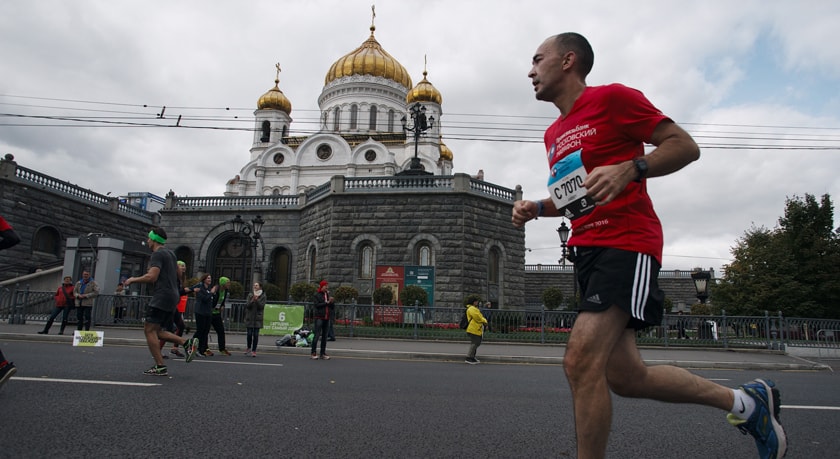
[{"x": 464, "y": 323}]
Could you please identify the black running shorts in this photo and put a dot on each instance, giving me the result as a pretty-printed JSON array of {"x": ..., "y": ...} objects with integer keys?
[
  {"x": 614, "y": 277},
  {"x": 158, "y": 316}
]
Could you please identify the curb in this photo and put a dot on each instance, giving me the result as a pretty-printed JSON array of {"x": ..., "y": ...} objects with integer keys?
[{"x": 805, "y": 365}]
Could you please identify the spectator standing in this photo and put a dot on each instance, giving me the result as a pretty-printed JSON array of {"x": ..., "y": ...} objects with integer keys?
[
  {"x": 64, "y": 302},
  {"x": 324, "y": 306},
  {"x": 86, "y": 292},
  {"x": 254, "y": 313},
  {"x": 119, "y": 302},
  {"x": 475, "y": 331}
]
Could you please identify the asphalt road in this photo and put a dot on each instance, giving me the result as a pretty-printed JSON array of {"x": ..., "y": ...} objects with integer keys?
[{"x": 95, "y": 402}]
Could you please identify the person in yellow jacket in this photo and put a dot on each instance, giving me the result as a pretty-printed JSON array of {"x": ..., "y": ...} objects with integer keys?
[{"x": 475, "y": 330}]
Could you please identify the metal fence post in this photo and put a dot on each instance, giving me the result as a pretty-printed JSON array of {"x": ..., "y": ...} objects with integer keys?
[
  {"x": 353, "y": 317},
  {"x": 783, "y": 327},
  {"x": 18, "y": 315},
  {"x": 542, "y": 324},
  {"x": 724, "y": 329},
  {"x": 416, "y": 309},
  {"x": 767, "y": 330}
]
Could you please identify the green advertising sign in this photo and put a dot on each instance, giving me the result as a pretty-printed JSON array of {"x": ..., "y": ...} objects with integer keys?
[
  {"x": 423, "y": 277},
  {"x": 282, "y": 320}
]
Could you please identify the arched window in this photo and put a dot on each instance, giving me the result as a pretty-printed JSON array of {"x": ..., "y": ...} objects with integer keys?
[
  {"x": 47, "y": 240},
  {"x": 373, "y": 117},
  {"x": 423, "y": 254},
  {"x": 390, "y": 120},
  {"x": 284, "y": 138},
  {"x": 366, "y": 257},
  {"x": 312, "y": 262},
  {"x": 337, "y": 119},
  {"x": 266, "y": 131},
  {"x": 280, "y": 271},
  {"x": 494, "y": 266},
  {"x": 354, "y": 116}
]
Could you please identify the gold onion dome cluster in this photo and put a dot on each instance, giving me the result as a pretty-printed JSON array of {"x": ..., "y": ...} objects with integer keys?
[
  {"x": 369, "y": 59},
  {"x": 424, "y": 92},
  {"x": 274, "y": 99}
]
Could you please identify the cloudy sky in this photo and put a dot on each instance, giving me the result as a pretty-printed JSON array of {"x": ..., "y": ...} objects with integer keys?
[{"x": 756, "y": 83}]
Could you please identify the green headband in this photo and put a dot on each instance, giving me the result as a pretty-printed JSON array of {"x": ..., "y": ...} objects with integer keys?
[{"x": 155, "y": 237}]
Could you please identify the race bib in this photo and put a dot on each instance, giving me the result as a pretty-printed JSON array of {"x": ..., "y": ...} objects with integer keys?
[{"x": 565, "y": 186}]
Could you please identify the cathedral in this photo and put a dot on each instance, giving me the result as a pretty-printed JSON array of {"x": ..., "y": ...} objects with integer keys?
[
  {"x": 372, "y": 190},
  {"x": 365, "y": 105}
]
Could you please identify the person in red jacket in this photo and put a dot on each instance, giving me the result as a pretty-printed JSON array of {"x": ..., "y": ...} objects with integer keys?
[{"x": 64, "y": 302}]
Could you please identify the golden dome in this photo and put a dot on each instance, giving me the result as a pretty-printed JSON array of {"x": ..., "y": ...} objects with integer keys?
[
  {"x": 423, "y": 92},
  {"x": 445, "y": 152},
  {"x": 275, "y": 99},
  {"x": 369, "y": 59}
]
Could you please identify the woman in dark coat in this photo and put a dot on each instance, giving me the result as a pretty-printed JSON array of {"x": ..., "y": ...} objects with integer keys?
[{"x": 254, "y": 310}]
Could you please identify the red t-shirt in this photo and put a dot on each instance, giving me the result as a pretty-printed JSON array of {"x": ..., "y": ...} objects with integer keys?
[{"x": 610, "y": 125}]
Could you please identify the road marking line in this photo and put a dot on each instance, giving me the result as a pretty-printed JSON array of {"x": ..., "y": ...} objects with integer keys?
[
  {"x": 240, "y": 363},
  {"x": 85, "y": 381},
  {"x": 806, "y": 407}
]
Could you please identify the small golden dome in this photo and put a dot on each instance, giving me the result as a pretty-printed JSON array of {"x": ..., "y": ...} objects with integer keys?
[
  {"x": 369, "y": 59},
  {"x": 424, "y": 92},
  {"x": 275, "y": 99},
  {"x": 445, "y": 152}
]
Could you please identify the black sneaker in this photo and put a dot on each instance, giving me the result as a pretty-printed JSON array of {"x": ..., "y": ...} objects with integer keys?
[
  {"x": 471, "y": 361},
  {"x": 157, "y": 370}
]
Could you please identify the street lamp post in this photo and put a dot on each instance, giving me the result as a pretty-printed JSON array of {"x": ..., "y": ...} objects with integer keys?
[
  {"x": 251, "y": 232},
  {"x": 419, "y": 125},
  {"x": 701, "y": 284},
  {"x": 563, "y": 231}
]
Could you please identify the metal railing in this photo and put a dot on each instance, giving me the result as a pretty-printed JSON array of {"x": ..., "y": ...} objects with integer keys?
[{"x": 532, "y": 325}]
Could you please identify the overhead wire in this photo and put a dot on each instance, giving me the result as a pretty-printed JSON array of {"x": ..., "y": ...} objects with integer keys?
[{"x": 473, "y": 127}]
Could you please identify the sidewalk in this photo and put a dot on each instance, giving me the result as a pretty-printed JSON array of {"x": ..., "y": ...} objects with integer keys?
[{"x": 448, "y": 350}]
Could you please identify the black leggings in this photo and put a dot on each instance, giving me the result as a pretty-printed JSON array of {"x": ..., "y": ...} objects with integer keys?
[{"x": 252, "y": 338}]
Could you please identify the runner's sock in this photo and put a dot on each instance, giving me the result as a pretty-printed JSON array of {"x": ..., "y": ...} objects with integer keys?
[{"x": 743, "y": 405}]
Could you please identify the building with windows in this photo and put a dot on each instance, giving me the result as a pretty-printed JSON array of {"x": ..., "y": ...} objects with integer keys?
[{"x": 357, "y": 194}]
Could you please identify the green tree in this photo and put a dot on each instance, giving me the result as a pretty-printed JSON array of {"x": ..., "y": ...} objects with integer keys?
[
  {"x": 383, "y": 296},
  {"x": 345, "y": 294},
  {"x": 793, "y": 268},
  {"x": 552, "y": 297},
  {"x": 302, "y": 291},
  {"x": 273, "y": 292},
  {"x": 414, "y": 294}
]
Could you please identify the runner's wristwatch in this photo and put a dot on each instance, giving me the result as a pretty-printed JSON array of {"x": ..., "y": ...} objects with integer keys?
[{"x": 641, "y": 169}]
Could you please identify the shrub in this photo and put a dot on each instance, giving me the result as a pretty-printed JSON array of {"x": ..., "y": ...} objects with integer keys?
[
  {"x": 235, "y": 290},
  {"x": 383, "y": 296},
  {"x": 552, "y": 298},
  {"x": 414, "y": 294},
  {"x": 345, "y": 294},
  {"x": 273, "y": 292},
  {"x": 302, "y": 291}
]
